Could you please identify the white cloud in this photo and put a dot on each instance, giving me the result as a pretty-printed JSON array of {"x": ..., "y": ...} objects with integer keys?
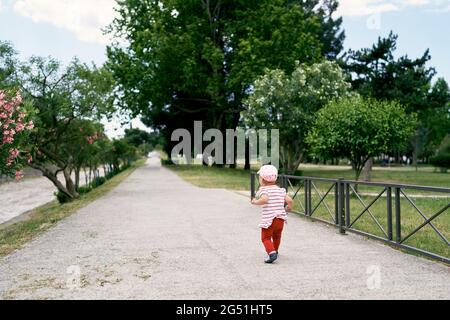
[
  {"x": 370, "y": 7},
  {"x": 365, "y": 7},
  {"x": 85, "y": 18}
]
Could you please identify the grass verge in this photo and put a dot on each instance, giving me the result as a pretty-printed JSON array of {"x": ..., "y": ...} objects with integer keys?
[{"x": 41, "y": 219}]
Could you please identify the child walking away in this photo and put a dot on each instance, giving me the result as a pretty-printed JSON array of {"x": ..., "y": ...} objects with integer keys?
[{"x": 273, "y": 200}]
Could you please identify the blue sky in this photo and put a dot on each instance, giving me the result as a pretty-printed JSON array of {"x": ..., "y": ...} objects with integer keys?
[{"x": 68, "y": 28}]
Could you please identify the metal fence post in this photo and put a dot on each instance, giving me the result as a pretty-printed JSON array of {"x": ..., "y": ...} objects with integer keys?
[
  {"x": 398, "y": 222},
  {"x": 347, "y": 205},
  {"x": 389, "y": 212},
  {"x": 284, "y": 182},
  {"x": 307, "y": 198},
  {"x": 252, "y": 185},
  {"x": 336, "y": 203},
  {"x": 341, "y": 211}
]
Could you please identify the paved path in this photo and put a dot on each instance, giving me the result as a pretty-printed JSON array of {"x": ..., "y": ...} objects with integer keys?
[{"x": 157, "y": 237}]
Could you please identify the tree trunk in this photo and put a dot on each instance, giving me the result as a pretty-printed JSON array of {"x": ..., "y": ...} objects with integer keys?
[
  {"x": 54, "y": 179},
  {"x": 70, "y": 186},
  {"x": 247, "y": 154},
  {"x": 77, "y": 177},
  {"x": 367, "y": 170}
]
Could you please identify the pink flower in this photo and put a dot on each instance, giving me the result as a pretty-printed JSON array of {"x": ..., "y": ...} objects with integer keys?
[
  {"x": 19, "y": 175},
  {"x": 8, "y": 107},
  {"x": 3, "y": 115},
  {"x": 9, "y": 162},
  {"x": 90, "y": 140},
  {"x": 18, "y": 99},
  {"x": 20, "y": 127},
  {"x": 30, "y": 125},
  {"x": 14, "y": 153},
  {"x": 8, "y": 139}
]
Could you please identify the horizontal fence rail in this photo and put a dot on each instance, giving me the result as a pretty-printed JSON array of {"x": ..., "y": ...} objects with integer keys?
[{"x": 414, "y": 218}]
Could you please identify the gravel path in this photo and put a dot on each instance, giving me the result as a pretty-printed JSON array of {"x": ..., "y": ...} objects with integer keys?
[{"x": 158, "y": 237}]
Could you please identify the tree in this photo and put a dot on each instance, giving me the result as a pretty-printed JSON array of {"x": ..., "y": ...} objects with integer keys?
[
  {"x": 62, "y": 98},
  {"x": 123, "y": 153},
  {"x": 15, "y": 127},
  {"x": 8, "y": 65},
  {"x": 442, "y": 158},
  {"x": 374, "y": 72},
  {"x": 81, "y": 142},
  {"x": 196, "y": 60},
  {"x": 434, "y": 123},
  {"x": 145, "y": 141},
  {"x": 360, "y": 128},
  {"x": 289, "y": 104}
]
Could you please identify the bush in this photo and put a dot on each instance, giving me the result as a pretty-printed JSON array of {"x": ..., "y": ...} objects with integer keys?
[
  {"x": 84, "y": 190},
  {"x": 62, "y": 198},
  {"x": 97, "y": 182},
  {"x": 441, "y": 161},
  {"x": 167, "y": 162}
]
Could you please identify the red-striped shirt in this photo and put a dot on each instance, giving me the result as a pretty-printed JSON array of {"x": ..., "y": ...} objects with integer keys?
[{"x": 275, "y": 207}]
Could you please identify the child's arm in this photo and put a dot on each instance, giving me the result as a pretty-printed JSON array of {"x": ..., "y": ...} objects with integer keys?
[
  {"x": 261, "y": 201},
  {"x": 289, "y": 202}
]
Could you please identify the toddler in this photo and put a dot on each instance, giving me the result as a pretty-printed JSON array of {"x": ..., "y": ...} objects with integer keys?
[{"x": 273, "y": 200}]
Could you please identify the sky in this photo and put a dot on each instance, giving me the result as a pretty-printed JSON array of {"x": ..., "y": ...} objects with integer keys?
[{"x": 67, "y": 28}]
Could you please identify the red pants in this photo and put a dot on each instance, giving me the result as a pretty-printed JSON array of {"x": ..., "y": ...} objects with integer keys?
[{"x": 271, "y": 237}]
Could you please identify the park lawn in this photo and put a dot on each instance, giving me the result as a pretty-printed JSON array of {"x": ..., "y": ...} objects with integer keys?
[
  {"x": 426, "y": 239},
  {"x": 41, "y": 219},
  {"x": 425, "y": 176},
  {"x": 239, "y": 179},
  {"x": 213, "y": 177}
]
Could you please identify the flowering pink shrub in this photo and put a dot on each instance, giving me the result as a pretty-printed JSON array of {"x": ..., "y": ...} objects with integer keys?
[
  {"x": 91, "y": 139},
  {"x": 14, "y": 127}
]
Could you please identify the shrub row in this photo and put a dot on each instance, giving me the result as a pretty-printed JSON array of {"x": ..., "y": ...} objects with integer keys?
[{"x": 97, "y": 182}]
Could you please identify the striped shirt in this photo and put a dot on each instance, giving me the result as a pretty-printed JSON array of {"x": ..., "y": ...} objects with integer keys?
[{"x": 275, "y": 207}]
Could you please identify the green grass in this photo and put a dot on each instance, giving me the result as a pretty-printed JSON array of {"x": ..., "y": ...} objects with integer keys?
[
  {"x": 239, "y": 179},
  {"x": 426, "y": 239},
  {"x": 425, "y": 176},
  {"x": 206, "y": 177},
  {"x": 41, "y": 219}
]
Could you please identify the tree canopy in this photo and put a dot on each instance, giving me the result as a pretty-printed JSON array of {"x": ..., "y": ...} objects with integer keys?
[
  {"x": 359, "y": 128},
  {"x": 180, "y": 61},
  {"x": 290, "y": 102}
]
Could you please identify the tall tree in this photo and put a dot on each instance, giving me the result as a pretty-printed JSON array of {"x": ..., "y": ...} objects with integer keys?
[
  {"x": 358, "y": 129},
  {"x": 289, "y": 103},
  {"x": 187, "y": 60},
  {"x": 8, "y": 64},
  {"x": 376, "y": 73},
  {"x": 63, "y": 98}
]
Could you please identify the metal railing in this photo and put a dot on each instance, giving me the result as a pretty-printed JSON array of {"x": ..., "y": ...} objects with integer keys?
[{"x": 345, "y": 206}]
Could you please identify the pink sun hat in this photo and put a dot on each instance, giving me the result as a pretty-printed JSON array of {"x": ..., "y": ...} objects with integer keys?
[{"x": 268, "y": 173}]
